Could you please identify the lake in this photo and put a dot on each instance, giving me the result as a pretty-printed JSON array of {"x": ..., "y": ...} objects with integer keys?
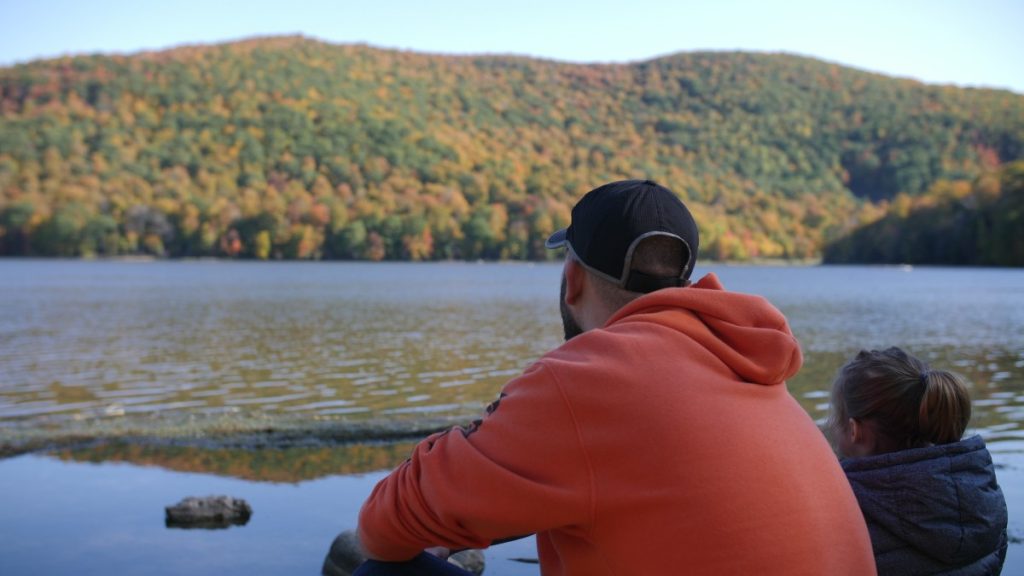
[{"x": 127, "y": 383}]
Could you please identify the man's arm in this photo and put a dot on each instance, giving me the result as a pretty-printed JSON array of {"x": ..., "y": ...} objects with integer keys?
[{"x": 520, "y": 470}]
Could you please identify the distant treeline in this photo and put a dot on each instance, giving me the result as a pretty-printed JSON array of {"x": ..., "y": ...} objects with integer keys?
[
  {"x": 979, "y": 223},
  {"x": 292, "y": 148}
]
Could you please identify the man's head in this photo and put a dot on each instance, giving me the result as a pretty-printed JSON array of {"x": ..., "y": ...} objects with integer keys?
[{"x": 626, "y": 239}]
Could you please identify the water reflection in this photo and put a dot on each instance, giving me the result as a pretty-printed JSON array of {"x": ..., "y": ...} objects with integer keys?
[
  {"x": 86, "y": 343},
  {"x": 286, "y": 464},
  {"x": 335, "y": 340},
  {"x": 186, "y": 347},
  {"x": 83, "y": 344},
  {"x": 63, "y": 517}
]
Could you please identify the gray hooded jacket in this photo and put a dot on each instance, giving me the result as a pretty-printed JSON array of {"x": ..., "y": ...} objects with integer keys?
[{"x": 934, "y": 510}]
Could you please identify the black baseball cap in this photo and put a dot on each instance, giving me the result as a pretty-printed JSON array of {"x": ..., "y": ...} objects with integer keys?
[{"x": 609, "y": 222}]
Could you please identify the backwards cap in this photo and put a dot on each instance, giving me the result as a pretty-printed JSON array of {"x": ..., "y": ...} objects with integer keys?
[{"x": 610, "y": 221}]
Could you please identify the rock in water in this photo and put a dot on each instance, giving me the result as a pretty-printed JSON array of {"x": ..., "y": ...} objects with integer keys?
[
  {"x": 208, "y": 512},
  {"x": 471, "y": 560},
  {"x": 346, "y": 554}
]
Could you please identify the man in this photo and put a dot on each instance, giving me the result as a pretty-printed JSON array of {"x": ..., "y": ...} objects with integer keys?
[{"x": 659, "y": 439}]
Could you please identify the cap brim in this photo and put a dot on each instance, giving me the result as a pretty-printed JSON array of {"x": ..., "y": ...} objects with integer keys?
[{"x": 556, "y": 240}]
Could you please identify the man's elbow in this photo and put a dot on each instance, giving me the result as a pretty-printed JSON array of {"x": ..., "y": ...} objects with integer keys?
[{"x": 374, "y": 546}]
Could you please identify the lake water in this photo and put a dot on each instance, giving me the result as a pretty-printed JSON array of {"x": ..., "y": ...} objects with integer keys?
[{"x": 178, "y": 351}]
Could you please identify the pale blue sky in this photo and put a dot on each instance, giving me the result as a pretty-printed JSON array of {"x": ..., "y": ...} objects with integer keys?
[{"x": 966, "y": 42}]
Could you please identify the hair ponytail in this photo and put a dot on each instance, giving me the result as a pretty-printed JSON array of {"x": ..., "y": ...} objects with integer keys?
[
  {"x": 945, "y": 408},
  {"x": 910, "y": 405}
]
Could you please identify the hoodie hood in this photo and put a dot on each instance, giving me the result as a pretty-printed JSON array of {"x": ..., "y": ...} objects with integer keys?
[
  {"x": 938, "y": 506},
  {"x": 744, "y": 331}
]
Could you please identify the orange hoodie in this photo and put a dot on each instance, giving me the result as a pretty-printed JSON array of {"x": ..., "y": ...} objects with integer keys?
[{"x": 664, "y": 443}]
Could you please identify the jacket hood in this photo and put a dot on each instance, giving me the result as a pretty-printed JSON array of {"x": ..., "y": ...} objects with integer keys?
[
  {"x": 744, "y": 331},
  {"x": 943, "y": 501}
]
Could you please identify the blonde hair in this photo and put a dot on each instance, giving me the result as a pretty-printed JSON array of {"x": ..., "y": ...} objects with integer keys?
[{"x": 911, "y": 405}]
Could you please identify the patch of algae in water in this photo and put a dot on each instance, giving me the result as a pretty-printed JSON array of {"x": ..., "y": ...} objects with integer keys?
[{"x": 242, "y": 430}]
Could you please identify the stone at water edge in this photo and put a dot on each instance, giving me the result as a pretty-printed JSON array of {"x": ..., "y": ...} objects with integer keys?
[
  {"x": 472, "y": 560},
  {"x": 209, "y": 512},
  {"x": 346, "y": 554}
]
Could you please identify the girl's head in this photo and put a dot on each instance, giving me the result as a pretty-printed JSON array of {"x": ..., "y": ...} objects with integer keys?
[{"x": 886, "y": 401}]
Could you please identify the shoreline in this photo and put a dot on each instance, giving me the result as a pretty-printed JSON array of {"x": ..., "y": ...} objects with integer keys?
[
  {"x": 249, "y": 431},
  {"x": 817, "y": 261}
]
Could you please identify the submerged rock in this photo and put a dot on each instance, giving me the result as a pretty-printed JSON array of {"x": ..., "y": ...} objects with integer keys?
[
  {"x": 346, "y": 554},
  {"x": 472, "y": 560},
  {"x": 208, "y": 512}
]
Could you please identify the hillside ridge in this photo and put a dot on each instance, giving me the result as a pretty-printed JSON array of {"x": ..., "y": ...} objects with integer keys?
[{"x": 292, "y": 147}]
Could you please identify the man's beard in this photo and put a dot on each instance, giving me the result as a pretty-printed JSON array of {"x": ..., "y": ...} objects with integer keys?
[{"x": 569, "y": 324}]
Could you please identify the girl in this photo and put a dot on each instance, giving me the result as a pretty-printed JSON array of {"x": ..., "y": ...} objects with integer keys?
[{"x": 930, "y": 499}]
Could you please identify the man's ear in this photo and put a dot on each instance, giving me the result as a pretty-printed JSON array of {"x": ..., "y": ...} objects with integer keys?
[{"x": 575, "y": 279}]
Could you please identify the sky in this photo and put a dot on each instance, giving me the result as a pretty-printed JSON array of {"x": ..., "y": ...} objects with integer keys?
[{"x": 963, "y": 42}]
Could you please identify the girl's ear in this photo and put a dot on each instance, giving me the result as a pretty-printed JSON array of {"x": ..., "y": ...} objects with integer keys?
[
  {"x": 861, "y": 437},
  {"x": 854, "y": 429}
]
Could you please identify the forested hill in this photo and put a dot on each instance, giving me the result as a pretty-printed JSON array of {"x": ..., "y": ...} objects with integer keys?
[
  {"x": 294, "y": 148},
  {"x": 979, "y": 223}
]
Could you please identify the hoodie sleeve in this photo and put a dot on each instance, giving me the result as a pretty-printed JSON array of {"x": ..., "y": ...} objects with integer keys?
[{"x": 518, "y": 471}]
